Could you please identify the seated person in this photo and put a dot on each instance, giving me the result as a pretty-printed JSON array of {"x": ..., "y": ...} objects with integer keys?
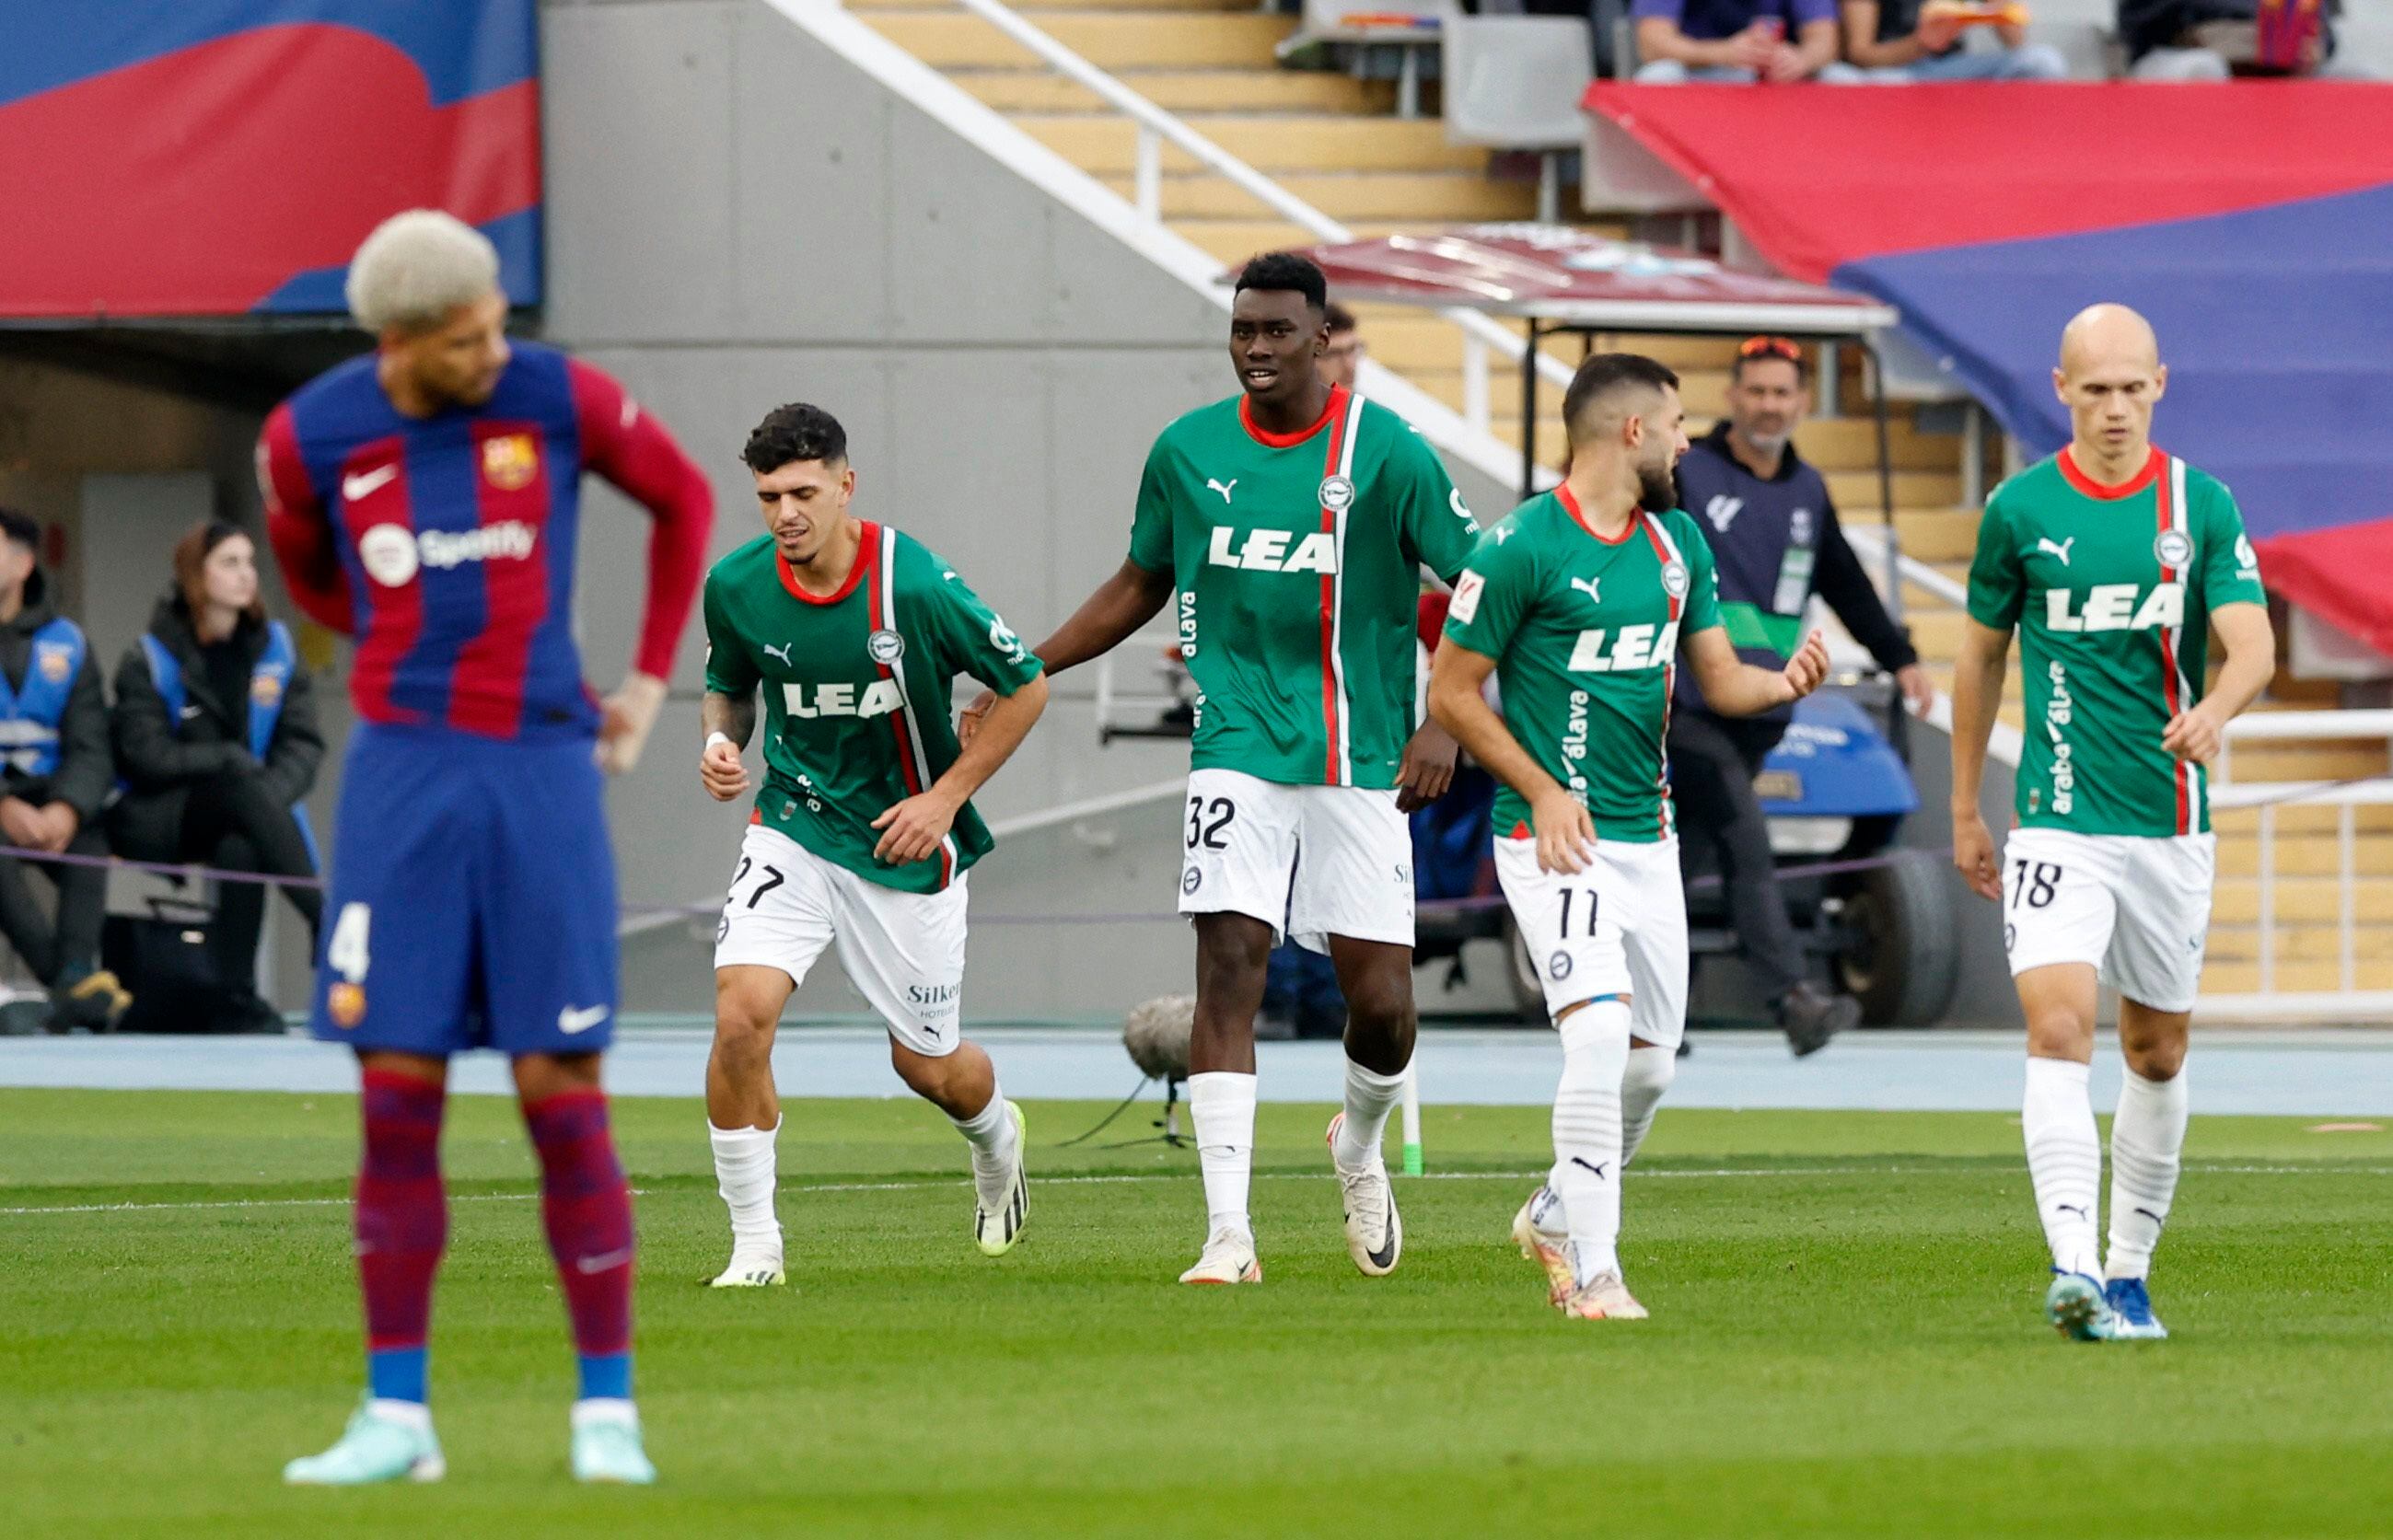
[
  {"x": 215, "y": 736},
  {"x": 1907, "y": 41},
  {"x": 1738, "y": 42},
  {"x": 54, "y": 776},
  {"x": 2194, "y": 40}
]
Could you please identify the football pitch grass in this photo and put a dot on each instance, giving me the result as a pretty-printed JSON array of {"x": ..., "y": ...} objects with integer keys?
[{"x": 1846, "y": 1337}]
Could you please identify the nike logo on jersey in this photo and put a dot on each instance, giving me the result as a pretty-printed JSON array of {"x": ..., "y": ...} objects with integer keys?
[
  {"x": 365, "y": 484},
  {"x": 1221, "y": 487},
  {"x": 1268, "y": 550},
  {"x": 782, "y": 652},
  {"x": 190, "y": 712},
  {"x": 572, "y": 1023},
  {"x": 2061, "y": 550},
  {"x": 1629, "y": 649},
  {"x": 2115, "y": 607},
  {"x": 879, "y": 699},
  {"x": 1587, "y": 587}
]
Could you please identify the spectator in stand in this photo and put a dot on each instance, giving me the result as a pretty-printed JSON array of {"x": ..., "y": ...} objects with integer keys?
[
  {"x": 1342, "y": 359},
  {"x": 1774, "y": 539},
  {"x": 1739, "y": 42},
  {"x": 2197, "y": 40},
  {"x": 54, "y": 776},
  {"x": 1908, "y": 41},
  {"x": 215, "y": 734}
]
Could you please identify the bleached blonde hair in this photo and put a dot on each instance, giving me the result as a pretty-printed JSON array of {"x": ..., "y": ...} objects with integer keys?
[{"x": 416, "y": 267}]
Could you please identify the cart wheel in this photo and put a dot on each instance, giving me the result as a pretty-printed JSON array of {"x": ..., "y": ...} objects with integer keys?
[{"x": 1904, "y": 959}]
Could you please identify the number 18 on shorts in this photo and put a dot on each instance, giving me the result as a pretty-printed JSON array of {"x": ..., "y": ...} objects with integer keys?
[{"x": 2135, "y": 907}]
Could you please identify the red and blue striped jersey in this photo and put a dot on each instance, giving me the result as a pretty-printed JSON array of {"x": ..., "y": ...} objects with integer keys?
[{"x": 445, "y": 545}]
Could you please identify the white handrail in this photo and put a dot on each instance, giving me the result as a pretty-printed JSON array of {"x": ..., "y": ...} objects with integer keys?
[{"x": 1155, "y": 124}]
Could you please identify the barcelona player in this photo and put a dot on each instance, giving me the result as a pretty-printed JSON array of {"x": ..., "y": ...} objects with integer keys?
[{"x": 424, "y": 501}]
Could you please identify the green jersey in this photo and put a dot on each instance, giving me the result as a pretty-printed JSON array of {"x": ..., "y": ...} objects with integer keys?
[
  {"x": 1297, "y": 559},
  {"x": 1585, "y": 632},
  {"x": 857, "y": 689},
  {"x": 2111, "y": 590}
]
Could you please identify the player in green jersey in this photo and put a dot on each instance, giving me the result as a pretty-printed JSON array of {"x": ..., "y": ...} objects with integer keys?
[
  {"x": 863, "y": 829},
  {"x": 2112, "y": 561},
  {"x": 1288, "y": 525},
  {"x": 1580, "y": 602}
]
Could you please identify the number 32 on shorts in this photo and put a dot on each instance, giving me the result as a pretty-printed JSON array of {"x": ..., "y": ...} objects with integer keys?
[{"x": 1207, "y": 819}]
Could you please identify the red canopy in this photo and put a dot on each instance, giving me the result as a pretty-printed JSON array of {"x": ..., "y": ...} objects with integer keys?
[{"x": 1569, "y": 276}]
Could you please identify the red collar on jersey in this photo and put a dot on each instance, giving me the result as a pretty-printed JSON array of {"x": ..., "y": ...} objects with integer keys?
[
  {"x": 1563, "y": 495},
  {"x": 867, "y": 545},
  {"x": 1271, "y": 440},
  {"x": 2091, "y": 488}
]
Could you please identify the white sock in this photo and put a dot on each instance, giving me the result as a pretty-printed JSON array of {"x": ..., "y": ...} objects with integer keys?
[
  {"x": 2064, "y": 1160},
  {"x": 1587, "y": 1132},
  {"x": 1369, "y": 1097},
  {"x": 407, "y": 1414},
  {"x": 615, "y": 1409},
  {"x": 2147, "y": 1136},
  {"x": 1222, "y": 1104},
  {"x": 990, "y": 1133},
  {"x": 1649, "y": 1075},
  {"x": 745, "y": 1171}
]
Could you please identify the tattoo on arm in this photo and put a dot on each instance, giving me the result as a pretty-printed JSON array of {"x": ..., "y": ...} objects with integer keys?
[{"x": 733, "y": 716}]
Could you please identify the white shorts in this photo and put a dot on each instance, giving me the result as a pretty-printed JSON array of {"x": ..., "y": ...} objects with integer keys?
[
  {"x": 1618, "y": 928},
  {"x": 903, "y": 951},
  {"x": 1309, "y": 861},
  {"x": 2135, "y": 907}
]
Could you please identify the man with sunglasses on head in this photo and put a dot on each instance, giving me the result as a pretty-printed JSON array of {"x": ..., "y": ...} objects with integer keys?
[{"x": 1774, "y": 533}]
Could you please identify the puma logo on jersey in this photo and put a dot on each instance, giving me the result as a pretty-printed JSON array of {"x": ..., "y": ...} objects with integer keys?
[
  {"x": 1221, "y": 487},
  {"x": 1268, "y": 550},
  {"x": 2061, "y": 550},
  {"x": 2115, "y": 607},
  {"x": 878, "y": 698},
  {"x": 782, "y": 652},
  {"x": 1629, "y": 649},
  {"x": 1588, "y": 586}
]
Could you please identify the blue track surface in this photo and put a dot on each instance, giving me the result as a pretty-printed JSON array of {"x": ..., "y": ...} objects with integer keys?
[{"x": 2311, "y": 1072}]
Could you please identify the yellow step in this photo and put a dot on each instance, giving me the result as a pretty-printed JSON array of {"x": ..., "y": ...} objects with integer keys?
[
  {"x": 2244, "y": 978},
  {"x": 2291, "y": 821},
  {"x": 2298, "y": 942},
  {"x": 2288, "y": 761},
  {"x": 1298, "y": 143},
  {"x": 1037, "y": 90},
  {"x": 2303, "y": 856},
  {"x": 948, "y": 39},
  {"x": 1938, "y": 535},
  {"x": 1434, "y": 197},
  {"x": 2313, "y": 900}
]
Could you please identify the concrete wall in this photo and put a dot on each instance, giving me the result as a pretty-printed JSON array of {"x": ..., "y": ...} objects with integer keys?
[{"x": 737, "y": 218}]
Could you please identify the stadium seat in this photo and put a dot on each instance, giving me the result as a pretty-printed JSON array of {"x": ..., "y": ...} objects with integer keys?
[{"x": 1514, "y": 83}]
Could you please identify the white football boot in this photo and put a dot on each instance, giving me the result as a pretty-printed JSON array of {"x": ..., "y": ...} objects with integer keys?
[
  {"x": 1375, "y": 1232},
  {"x": 1228, "y": 1258}
]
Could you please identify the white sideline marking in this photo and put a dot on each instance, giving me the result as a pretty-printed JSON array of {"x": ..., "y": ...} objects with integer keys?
[{"x": 2311, "y": 1169}]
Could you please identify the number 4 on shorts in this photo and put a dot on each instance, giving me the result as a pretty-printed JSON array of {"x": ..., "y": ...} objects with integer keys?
[{"x": 347, "y": 955}]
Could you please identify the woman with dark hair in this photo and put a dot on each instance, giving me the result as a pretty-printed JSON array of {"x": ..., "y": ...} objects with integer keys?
[{"x": 215, "y": 729}]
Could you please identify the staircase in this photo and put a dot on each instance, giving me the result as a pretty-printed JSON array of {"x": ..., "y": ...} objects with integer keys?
[{"x": 1334, "y": 142}]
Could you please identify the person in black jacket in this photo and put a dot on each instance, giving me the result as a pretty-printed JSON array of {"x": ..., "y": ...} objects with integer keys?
[
  {"x": 216, "y": 736},
  {"x": 54, "y": 776},
  {"x": 1774, "y": 539}
]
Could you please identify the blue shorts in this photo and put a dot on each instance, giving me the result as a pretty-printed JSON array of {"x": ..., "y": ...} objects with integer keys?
[{"x": 473, "y": 898}]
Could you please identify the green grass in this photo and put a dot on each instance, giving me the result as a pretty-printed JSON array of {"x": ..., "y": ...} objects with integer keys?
[{"x": 1845, "y": 1340}]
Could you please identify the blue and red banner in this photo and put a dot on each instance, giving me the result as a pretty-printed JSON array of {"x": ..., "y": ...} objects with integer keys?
[
  {"x": 2252, "y": 221},
  {"x": 211, "y": 157}
]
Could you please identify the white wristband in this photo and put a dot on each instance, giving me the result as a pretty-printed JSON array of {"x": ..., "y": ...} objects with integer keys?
[{"x": 715, "y": 738}]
